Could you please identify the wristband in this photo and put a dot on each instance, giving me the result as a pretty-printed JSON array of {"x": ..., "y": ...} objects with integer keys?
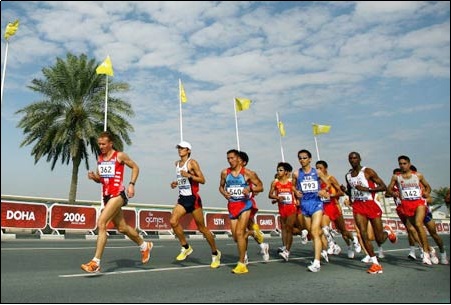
[{"x": 132, "y": 183}]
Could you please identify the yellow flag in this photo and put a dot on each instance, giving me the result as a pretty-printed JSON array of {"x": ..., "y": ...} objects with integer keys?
[
  {"x": 11, "y": 29},
  {"x": 242, "y": 103},
  {"x": 106, "y": 67},
  {"x": 281, "y": 129},
  {"x": 182, "y": 93},
  {"x": 317, "y": 129}
]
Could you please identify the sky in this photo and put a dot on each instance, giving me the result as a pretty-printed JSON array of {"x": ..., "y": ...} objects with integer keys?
[{"x": 377, "y": 72}]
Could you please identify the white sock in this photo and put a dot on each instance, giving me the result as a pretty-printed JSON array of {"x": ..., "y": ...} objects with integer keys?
[
  {"x": 143, "y": 246},
  {"x": 374, "y": 260},
  {"x": 96, "y": 260}
]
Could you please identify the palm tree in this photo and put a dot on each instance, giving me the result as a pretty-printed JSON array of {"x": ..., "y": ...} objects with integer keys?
[
  {"x": 68, "y": 120},
  {"x": 438, "y": 198}
]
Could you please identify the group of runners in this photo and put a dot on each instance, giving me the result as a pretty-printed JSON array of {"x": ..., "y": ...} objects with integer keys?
[{"x": 307, "y": 199}]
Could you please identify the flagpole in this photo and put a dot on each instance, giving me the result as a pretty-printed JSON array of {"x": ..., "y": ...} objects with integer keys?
[
  {"x": 317, "y": 150},
  {"x": 280, "y": 137},
  {"x": 106, "y": 104},
  {"x": 236, "y": 126},
  {"x": 180, "y": 106},
  {"x": 4, "y": 69}
]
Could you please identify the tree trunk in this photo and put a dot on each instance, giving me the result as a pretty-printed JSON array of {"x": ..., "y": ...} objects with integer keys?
[{"x": 74, "y": 181}]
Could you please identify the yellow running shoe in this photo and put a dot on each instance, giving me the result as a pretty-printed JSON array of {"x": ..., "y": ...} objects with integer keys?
[
  {"x": 240, "y": 268},
  {"x": 184, "y": 253},
  {"x": 216, "y": 260}
]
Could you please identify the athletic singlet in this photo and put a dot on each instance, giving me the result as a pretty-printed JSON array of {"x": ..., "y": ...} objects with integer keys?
[
  {"x": 111, "y": 175},
  {"x": 186, "y": 186},
  {"x": 236, "y": 185},
  {"x": 409, "y": 188},
  {"x": 331, "y": 191},
  {"x": 360, "y": 179},
  {"x": 308, "y": 184},
  {"x": 285, "y": 190}
]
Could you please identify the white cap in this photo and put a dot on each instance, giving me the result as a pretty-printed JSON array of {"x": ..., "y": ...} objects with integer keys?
[{"x": 184, "y": 144}]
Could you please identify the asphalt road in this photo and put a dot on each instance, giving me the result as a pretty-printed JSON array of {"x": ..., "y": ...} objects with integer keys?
[{"x": 48, "y": 271}]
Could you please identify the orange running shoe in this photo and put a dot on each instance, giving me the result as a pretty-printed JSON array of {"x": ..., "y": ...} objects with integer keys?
[
  {"x": 391, "y": 234},
  {"x": 145, "y": 255},
  {"x": 91, "y": 267},
  {"x": 375, "y": 269}
]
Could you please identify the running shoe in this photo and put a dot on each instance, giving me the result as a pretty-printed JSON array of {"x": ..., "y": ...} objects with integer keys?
[
  {"x": 443, "y": 259},
  {"x": 265, "y": 251},
  {"x": 433, "y": 256},
  {"x": 184, "y": 253},
  {"x": 257, "y": 233},
  {"x": 145, "y": 255},
  {"x": 366, "y": 259},
  {"x": 280, "y": 249},
  {"x": 412, "y": 255},
  {"x": 391, "y": 234},
  {"x": 91, "y": 267},
  {"x": 351, "y": 253},
  {"x": 240, "y": 268},
  {"x": 314, "y": 268},
  {"x": 330, "y": 249},
  {"x": 216, "y": 260},
  {"x": 356, "y": 244},
  {"x": 337, "y": 249},
  {"x": 426, "y": 259},
  {"x": 285, "y": 254},
  {"x": 375, "y": 269},
  {"x": 304, "y": 237},
  {"x": 324, "y": 256}
]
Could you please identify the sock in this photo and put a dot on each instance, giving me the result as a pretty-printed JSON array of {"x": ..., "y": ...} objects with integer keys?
[
  {"x": 316, "y": 262},
  {"x": 143, "y": 246},
  {"x": 95, "y": 259},
  {"x": 185, "y": 246},
  {"x": 262, "y": 246},
  {"x": 215, "y": 253},
  {"x": 412, "y": 249},
  {"x": 374, "y": 260}
]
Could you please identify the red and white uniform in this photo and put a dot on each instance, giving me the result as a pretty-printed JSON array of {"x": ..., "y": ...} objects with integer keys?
[
  {"x": 111, "y": 175},
  {"x": 363, "y": 203},
  {"x": 411, "y": 193}
]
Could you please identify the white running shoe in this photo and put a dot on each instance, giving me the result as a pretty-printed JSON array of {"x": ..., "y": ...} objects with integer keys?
[
  {"x": 433, "y": 256},
  {"x": 412, "y": 255},
  {"x": 356, "y": 244},
  {"x": 351, "y": 253},
  {"x": 304, "y": 239},
  {"x": 324, "y": 256},
  {"x": 314, "y": 268},
  {"x": 443, "y": 259},
  {"x": 426, "y": 259},
  {"x": 285, "y": 255},
  {"x": 337, "y": 249},
  {"x": 265, "y": 251},
  {"x": 366, "y": 259},
  {"x": 330, "y": 249}
]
